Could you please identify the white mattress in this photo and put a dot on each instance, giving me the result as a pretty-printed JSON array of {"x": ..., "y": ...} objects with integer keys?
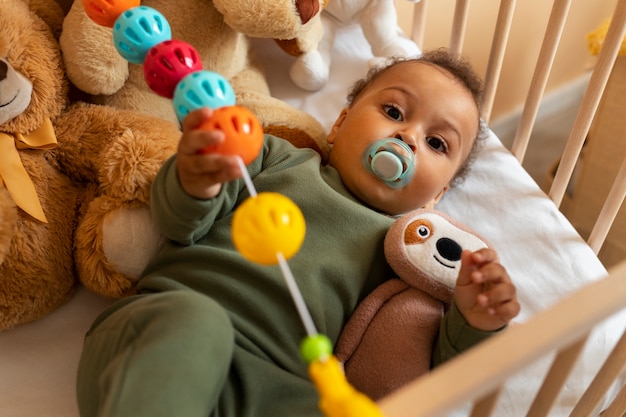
[{"x": 542, "y": 252}]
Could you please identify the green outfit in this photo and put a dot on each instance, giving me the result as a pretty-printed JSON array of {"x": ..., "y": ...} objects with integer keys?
[{"x": 213, "y": 334}]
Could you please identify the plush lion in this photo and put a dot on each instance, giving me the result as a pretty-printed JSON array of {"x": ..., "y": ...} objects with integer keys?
[{"x": 219, "y": 31}]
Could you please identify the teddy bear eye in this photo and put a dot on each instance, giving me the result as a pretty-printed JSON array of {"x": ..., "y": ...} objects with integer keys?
[{"x": 423, "y": 231}]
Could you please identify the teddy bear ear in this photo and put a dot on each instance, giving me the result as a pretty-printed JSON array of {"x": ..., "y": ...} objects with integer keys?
[{"x": 51, "y": 12}]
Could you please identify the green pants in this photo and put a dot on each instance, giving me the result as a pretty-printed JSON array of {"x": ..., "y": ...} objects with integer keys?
[{"x": 176, "y": 354}]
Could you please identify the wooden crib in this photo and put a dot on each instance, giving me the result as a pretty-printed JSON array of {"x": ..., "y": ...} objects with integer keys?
[
  {"x": 38, "y": 360},
  {"x": 479, "y": 376}
]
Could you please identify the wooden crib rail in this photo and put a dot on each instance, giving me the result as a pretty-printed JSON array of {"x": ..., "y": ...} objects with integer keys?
[
  {"x": 459, "y": 24},
  {"x": 477, "y": 376},
  {"x": 549, "y": 46},
  {"x": 590, "y": 102},
  {"x": 588, "y": 107}
]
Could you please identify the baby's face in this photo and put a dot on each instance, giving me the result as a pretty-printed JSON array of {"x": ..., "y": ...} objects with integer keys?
[{"x": 425, "y": 107}]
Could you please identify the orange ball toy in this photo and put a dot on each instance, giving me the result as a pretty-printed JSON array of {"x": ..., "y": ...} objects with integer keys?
[
  {"x": 244, "y": 134},
  {"x": 106, "y": 12}
]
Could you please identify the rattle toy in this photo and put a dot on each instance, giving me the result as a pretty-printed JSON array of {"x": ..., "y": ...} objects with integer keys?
[{"x": 267, "y": 228}]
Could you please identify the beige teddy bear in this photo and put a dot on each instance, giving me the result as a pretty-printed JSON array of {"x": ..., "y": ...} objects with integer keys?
[
  {"x": 116, "y": 238},
  {"x": 219, "y": 31},
  {"x": 117, "y": 154},
  {"x": 38, "y": 205}
]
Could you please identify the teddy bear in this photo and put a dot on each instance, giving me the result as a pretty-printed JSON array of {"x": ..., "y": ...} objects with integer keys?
[
  {"x": 378, "y": 21},
  {"x": 117, "y": 237},
  {"x": 99, "y": 228},
  {"x": 116, "y": 153},
  {"x": 219, "y": 30},
  {"x": 388, "y": 340},
  {"x": 38, "y": 204}
]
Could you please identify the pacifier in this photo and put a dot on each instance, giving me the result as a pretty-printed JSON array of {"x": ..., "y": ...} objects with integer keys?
[{"x": 391, "y": 160}]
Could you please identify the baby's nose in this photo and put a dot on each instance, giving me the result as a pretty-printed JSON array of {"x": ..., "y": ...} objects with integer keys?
[{"x": 408, "y": 139}]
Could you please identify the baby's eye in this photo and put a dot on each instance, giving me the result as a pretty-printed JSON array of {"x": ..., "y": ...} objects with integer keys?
[
  {"x": 436, "y": 143},
  {"x": 393, "y": 112}
]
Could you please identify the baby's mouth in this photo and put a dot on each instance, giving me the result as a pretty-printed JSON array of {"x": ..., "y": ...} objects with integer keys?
[{"x": 390, "y": 160}]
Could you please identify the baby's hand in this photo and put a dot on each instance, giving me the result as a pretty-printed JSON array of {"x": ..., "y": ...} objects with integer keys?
[
  {"x": 201, "y": 175},
  {"x": 484, "y": 292}
]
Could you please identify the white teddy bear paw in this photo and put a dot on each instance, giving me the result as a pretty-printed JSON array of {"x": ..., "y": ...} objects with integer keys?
[
  {"x": 309, "y": 71},
  {"x": 130, "y": 240}
]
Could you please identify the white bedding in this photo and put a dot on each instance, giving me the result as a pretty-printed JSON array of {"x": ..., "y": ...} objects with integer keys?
[{"x": 542, "y": 252}]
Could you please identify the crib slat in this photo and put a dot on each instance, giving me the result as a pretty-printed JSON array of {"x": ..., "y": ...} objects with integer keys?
[
  {"x": 555, "y": 379},
  {"x": 486, "y": 406},
  {"x": 484, "y": 368},
  {"x": 590, "y": 102},
  {"x": 609, "y": 210},
  {"x": 618, "y": 406},
  {"x": 459, "y": 25},
  {"x": 600, "y": 385},
  {"x": 418, "y": 26},
  {"x": 496, "y": 56},
  {"x": 556, "y": 23}
]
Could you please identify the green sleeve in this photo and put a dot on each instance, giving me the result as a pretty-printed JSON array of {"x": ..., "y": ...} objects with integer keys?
[
  {"x": 183, "y": 218},
  {"x": 456, "y": 336}
]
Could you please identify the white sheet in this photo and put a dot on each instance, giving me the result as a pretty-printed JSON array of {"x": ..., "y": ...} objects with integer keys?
[{"x": 542, "y": 252}]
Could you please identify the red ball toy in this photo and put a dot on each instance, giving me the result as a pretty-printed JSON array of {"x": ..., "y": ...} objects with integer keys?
[
  {"x": 106, "y": 12},
  {"x": 167, "y": 63},
  {"x": 244, "y": 134}
]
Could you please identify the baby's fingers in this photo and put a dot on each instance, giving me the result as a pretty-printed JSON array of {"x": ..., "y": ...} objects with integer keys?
[
  {"x": 499, "y": 298},
  {"x": 194, "y": 119},
  {"x": 495, "y": 295},
  {"x": 194, "y": 142}
]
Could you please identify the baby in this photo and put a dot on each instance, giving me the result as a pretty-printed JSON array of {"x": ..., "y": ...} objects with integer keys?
[{"x": 213, "y": 334}]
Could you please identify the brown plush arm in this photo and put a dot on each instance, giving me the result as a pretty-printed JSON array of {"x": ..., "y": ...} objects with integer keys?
[
  {"x": 396, "y": 345},
  {"x": 356, "y": 327}
]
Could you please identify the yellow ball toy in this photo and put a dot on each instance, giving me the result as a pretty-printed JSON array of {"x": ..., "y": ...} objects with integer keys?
[{"x": 268, "y": 224}]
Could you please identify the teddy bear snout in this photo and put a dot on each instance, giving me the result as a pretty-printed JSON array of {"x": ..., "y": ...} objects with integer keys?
[
  {"x": 449, "y": 249},
  {"x": 4, "y": 69}
]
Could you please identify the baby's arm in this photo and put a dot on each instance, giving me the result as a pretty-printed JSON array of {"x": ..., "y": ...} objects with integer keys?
[
  {"x": 201, "y": 174},
  {"x": 484, "y": 293},
  {"x": 484, "y": 302}
]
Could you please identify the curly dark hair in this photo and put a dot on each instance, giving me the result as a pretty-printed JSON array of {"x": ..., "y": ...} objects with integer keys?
[{"x": 460, "y": 69}]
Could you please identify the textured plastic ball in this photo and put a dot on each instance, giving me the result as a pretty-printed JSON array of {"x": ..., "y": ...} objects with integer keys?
[
  {"x": 137, "y": 30},
  {"x": 316, "y": 347},
  {"x": 167, "y": 63},
  {"x": 202, "y": 89},
  {"x": 106, "y": 12},
  {"x": 265, "y": 225},
  {"x": 244, "y": 134}
]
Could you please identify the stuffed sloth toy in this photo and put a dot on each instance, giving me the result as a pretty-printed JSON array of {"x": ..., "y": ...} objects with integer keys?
[
  {"x": 219, "y": 31},
  {"x": 377, "y": 19},
  {"x": 388, "y": 341}
]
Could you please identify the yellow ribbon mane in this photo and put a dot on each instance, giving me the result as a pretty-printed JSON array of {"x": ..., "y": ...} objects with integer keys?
[{"x": 13, "y": 175}]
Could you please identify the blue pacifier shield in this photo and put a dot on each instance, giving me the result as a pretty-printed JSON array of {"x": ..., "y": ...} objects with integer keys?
[{"x": 391, "y": 160}]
